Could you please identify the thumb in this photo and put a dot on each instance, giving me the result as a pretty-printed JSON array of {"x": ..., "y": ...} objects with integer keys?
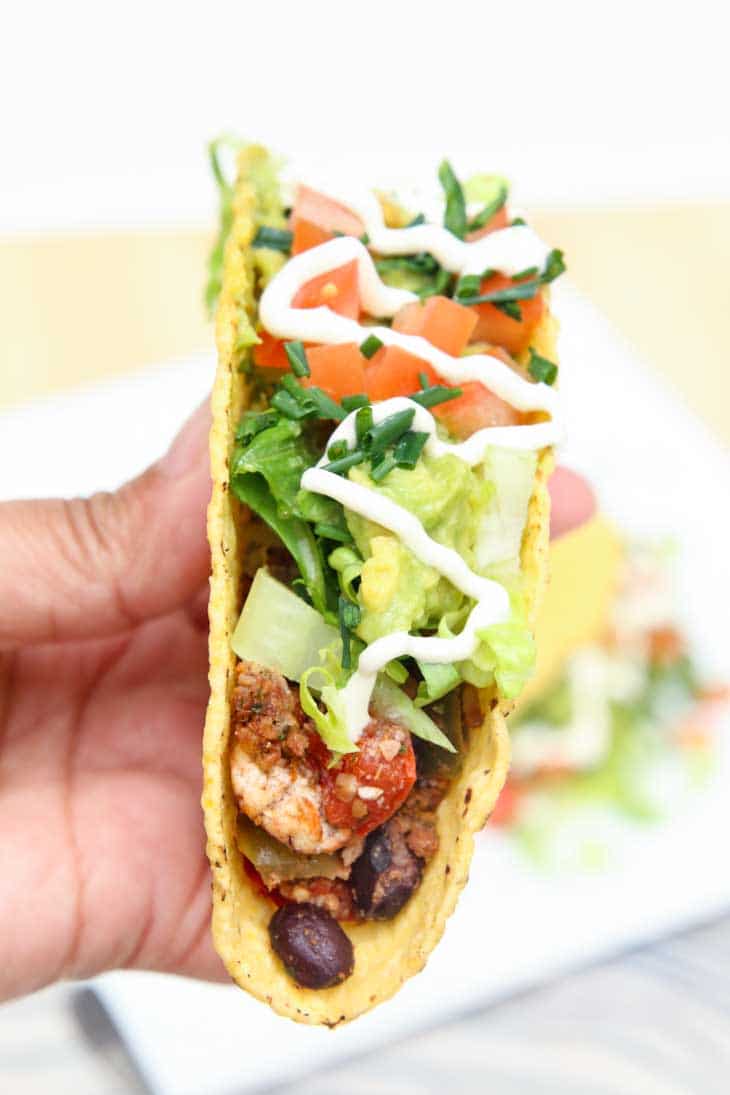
[{"x": 73, "y": 569}]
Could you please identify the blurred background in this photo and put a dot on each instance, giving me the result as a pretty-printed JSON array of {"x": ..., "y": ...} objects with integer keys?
[{"x": 612, "y": 124}]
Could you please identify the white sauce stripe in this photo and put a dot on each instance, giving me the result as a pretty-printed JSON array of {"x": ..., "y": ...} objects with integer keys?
[
  {"x": 470, "y": 451},
  {"x": 325, "y": 326},
  {"x": 492, "y": 599},
  {"x": 510, "y": 250}
]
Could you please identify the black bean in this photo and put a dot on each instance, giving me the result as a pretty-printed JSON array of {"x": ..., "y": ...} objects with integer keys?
[
  {"x": 313, "y": 947},
  {"x": 386, "y": 874}
]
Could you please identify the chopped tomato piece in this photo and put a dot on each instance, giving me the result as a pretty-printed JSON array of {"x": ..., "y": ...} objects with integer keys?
[
  {"x": 338, "y": 370},
  {"x": 393, "y": 371},
  {"x": 497, "y": 327},
  {"x": 337, "y": 289},
  {"x": 316, "y": 218},
  {"x": 499, "y": 220},
  {"x": 474, "y": 409},
  {"x": 446, "y": 324},
  {"x": 270, "y": 353},
  {"x": 374, "y": 768}
]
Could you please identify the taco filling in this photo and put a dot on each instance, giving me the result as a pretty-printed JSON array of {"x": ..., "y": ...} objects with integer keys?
[{"x": 399, "y": 398}]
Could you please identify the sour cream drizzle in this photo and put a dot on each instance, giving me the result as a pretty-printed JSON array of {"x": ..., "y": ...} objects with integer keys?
[
  {"x": 322, "y": 325},
  {"x": 492, "y": 602},
  {"x": 510, "y": 250}
]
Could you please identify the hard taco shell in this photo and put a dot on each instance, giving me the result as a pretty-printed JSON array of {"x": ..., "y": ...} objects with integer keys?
[{"x": 387, "y": 953}]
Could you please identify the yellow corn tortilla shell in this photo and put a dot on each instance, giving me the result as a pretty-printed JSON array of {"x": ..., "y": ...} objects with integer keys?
[{"x": 386, "y": 952}]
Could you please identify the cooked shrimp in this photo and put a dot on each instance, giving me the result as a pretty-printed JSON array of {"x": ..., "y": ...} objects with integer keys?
[{"x": 273, "y": 781}]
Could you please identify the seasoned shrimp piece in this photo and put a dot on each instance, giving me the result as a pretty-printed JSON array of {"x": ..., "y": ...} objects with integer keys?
[{"x": 275, "y": 784}]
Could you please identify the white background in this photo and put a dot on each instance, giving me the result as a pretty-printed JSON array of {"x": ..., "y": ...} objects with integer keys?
[{"x": 106, "y": 108}]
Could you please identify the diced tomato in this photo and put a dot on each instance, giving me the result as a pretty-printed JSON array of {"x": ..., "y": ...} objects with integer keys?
[
  {"x": 444, "y": 323},
  {"x": 337, "y": 289},
  {"x": 371, "y": 767},
  {"x": 393, "y": 371},
  {"x": 315, "y": 219},
  {"x": 499, "y": 220},
  {"x": 476, "y": 408},
  {"x": 495, "y": 326},
  {"x": 338, "y": 370},
  {"x": 270, "y": 353}
]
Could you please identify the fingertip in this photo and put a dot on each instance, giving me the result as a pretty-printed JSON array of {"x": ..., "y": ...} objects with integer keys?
[{"x": 573, "y": 501}]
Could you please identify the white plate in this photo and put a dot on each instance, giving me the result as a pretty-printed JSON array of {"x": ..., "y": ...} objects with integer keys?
[{"x": 658, "y": 471}]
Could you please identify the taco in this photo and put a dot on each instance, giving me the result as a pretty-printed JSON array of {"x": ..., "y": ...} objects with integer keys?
[{"x": 383, "y": 415}]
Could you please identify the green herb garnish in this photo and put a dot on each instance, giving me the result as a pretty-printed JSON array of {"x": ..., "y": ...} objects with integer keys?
[
  {"x": 353, "y": 402},
  {"x": 370, "y": 346},
  {"x": 541, "y": 369},
  {"x": 363, "y": 422},
  {"x": 276, "y": 239},
  {"x": 379, "y": 471},
  {"x": 349, "y": 617},
  {"x": 337, "y": 450},
  {"x": 344, "y": 463},
  {"x": 435, "y": 394},
  {"x": 409, "y": 448},
  {"x": 490, "y": 209},
  {"x": 455, "y": 211},
  {"x": 297, "y": 357},
  {"x": 387, "y": 432}
]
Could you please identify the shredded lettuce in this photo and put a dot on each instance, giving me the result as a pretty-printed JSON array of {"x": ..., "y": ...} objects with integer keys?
[
  {"x": 511, "y": 649},
  {"x": 437, "y": 681},
  {"x": 331, "y": 723},
  {"x": 278, "y": 629},
  {"x": 391, "y": 702}
]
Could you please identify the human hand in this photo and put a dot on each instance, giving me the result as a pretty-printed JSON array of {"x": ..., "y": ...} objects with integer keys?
[{"x": 103, "y": 685}]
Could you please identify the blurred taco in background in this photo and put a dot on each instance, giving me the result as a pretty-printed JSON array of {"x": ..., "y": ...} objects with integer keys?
[
  {"x": 383, "y": 416},
  {"x": 617, "y": 720}
]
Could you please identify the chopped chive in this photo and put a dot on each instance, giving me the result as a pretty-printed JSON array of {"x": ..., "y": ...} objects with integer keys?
[
  {"x": 540, "y": 368},
  {"x": 323, "y": 406},
  {"x": 510, "y": 308},
  {"x": 489, "y": 210},
  {"x": 409, "y": 448},
  {"x": 363, "y": 422},
  {"x": 379, "y": 471},
  {"x": 349, "y": 617},
  {"x": 528, "y": 273},
  {"x": 291, "y": 385},
  {"x": 288, "y": 405},
  {"x": 388, "y": 431},
  {"x": 338, "y": 450},
  {"x": 554, "y": 266},
  {"x": 517, "y": 221},
  {"x": 418, "y": 219},
  {"x": 442, "y": 282},
  {"x": 354, "y": 402},
  {"x": 467, "y": 286},
  {"x": 365, "y": 238},
  {"x": 332, "y": 532},
  {"x": 276, "y": 239},
  {"x": 431, "y": 397},
  {"x": 423, "y": 380},
  {"x": 337, "y": 467},
  {"x": 525, "y": 290},
  {"x": 455, "y": 211},
  {"x": 297, "y": 358},
  {"x": 370, "y": 346}
]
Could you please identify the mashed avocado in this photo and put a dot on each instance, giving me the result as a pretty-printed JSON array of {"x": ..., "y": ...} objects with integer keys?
[{"x": 397, "y": 592}]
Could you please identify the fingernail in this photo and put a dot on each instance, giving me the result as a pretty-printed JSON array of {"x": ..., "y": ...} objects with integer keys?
[{"x": 190, "y": 447}]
